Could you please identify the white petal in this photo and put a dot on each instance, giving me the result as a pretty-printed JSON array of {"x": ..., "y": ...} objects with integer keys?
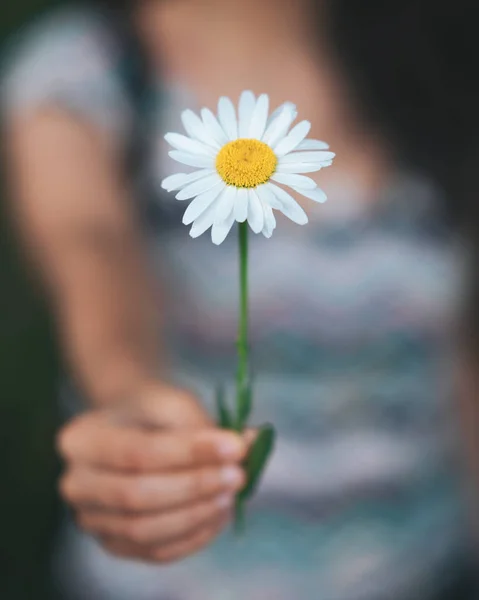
[
  {"x": 213, "y": 127},
  {"x": 309, "y": 157},
  {"x": 179, "y": 180},
  {"x": 267, "y": 232},
  {"x": 181, "y": 142},
  {"x": 246, "y": 107},
  {"x": 221, "y": 230},
  {"x": 196, "y": 129},
  {"x": 269, "y": 227},
  {"x": 294, "y": 137},
  {"x": 205, "y": 220},
  {"x": 317, "y": 194},
  {"x": 255, "y": 212},
  {"x": 304, "y": 162},
  {"x": 241, "y": 205},
  {"x": 265, "y": 194},
  {"x": 174, "y": 182},
  {"x": 290, "y": 208},
  {"x": 227, "y": 117},
  {"x": 279, "y": 126},
  {"x": 226, "y": 203},
  {"x": 278, "y": 111},
  {"x": 300, "y": 167},
  {"x": 200, "y": 204},
  {"x": 192, "y": 160},
  {"x": 294, "y": 180},
  {"x": 199, "y": 186},
  {"x": 259, "y": 117},
  {"x": 269, "y": 220},
  {"x": 312, "y": 145}
]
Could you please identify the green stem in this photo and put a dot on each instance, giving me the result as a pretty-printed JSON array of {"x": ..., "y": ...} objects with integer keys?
[{"x": 242, "y": 343}]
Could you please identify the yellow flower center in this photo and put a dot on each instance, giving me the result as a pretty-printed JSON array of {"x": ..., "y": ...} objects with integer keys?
[{"x": 246, "y": 163}]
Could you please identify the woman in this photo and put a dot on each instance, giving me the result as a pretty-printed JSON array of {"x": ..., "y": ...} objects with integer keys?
[{"x": 349, "y": 317}]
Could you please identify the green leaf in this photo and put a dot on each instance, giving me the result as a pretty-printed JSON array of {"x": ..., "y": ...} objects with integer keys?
[
  {"x": 225, "y": 419},
  {"x": 245, "y": 404},
  {"x": 257, "y": 459}
]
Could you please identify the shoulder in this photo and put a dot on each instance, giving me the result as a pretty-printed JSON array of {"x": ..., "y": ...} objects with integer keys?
[{"x": 69, "y": 58}]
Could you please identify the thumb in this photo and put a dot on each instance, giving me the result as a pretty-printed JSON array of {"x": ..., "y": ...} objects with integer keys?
[{"x": 164, "y": 406}]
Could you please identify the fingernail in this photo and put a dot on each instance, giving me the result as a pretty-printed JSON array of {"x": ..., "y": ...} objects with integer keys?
[
  {"x": 225, "y": 500},
  {"x": 232, "y": 475}
]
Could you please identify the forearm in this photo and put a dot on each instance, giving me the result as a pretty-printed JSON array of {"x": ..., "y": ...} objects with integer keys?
[
  {"x": 73, "y": 212},
  {"x": 107, "y": 317}
]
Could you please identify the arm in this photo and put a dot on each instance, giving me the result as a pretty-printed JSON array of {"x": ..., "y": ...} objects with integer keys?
[
  {"x": 146, "y": 471},
  {"x": 73, "y": 212}
]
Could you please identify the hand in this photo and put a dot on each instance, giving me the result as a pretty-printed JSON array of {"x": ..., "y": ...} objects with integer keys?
[{"x": 154, "y": 481}]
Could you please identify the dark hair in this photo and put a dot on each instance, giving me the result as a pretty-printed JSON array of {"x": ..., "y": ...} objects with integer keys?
[{"x": 414, "y": 65}]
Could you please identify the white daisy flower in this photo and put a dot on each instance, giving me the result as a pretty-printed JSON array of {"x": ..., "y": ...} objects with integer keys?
[{"x": 241, "y": 157}]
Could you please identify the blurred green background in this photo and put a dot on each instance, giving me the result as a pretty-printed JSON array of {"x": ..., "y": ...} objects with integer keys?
[{"x": 28, "y": 410}]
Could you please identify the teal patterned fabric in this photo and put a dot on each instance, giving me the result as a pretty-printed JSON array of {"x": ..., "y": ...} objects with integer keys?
[{"x": 350, "y": 322}]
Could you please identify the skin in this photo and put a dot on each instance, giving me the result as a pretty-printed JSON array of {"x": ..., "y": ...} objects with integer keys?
[
  {"x": 156, "y": 480},
  {"x": 146, "y": 470}
]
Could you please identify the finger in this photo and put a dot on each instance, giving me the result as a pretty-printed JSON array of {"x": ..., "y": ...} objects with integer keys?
[
  {"x": 102, "y": 444},
  {"x": 162, "y": 405},
  {"x": 168, "y": 553},
  {"x": 250, "y": 436},
  {"x": 155, "y": 530},
  {"x": 196, "y": 542},
  {"x": 148, "y": 492}
]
